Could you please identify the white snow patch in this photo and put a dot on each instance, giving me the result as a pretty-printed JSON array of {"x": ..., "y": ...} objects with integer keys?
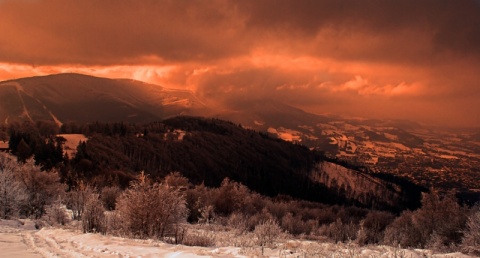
[
  {"x": 259, "y": 123},
  {"x": 71, "y": 143},
  {"x": 21, "y": 240}
]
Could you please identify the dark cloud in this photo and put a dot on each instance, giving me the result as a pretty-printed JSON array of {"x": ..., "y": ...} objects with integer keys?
[
  {"x": 370, "y": 57},
  {"x": 112, "y": 32}
]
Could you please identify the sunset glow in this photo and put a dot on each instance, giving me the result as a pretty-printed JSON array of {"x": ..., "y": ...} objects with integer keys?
[{"x": 415, "y": 60}]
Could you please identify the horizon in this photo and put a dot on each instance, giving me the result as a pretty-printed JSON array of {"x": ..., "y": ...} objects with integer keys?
[{"x": 398, "y": 60}]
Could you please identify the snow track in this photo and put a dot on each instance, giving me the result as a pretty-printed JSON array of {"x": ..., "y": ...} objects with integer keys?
[
  {"x": 48, "y": 246},
  {"x": 50, "y": 242},
  {"x": 20, "y": 239}
]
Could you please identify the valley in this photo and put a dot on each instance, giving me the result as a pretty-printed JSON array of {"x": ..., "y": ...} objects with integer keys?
[
  {"x": 256, "y": 166},
  {"x": 429, "y": 157}
]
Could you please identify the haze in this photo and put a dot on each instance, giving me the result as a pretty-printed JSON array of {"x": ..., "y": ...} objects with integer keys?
[{"x": 416, "y": 60}]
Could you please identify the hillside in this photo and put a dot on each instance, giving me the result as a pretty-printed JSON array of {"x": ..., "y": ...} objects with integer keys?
[
  {"x": 426, "y": 156},
  {"x": 80, "y": 98},
  {"x": 208, "y": 150}
]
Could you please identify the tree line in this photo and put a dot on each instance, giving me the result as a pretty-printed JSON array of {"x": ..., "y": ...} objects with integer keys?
[{"x": 163, "y": 209}]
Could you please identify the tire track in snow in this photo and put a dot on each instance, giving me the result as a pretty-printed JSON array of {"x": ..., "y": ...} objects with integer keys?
[{"x": 48, "y": 246}]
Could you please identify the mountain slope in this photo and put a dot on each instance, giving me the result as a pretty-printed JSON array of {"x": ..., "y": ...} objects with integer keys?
[
  {"x": 428, "y": 157},
  {"x": 81, "y": 98},
  {"x": 209, "y": 150}
]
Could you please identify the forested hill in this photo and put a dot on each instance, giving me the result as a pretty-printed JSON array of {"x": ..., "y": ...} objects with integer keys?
[
  {"x": 205, "y": 151},
  {"x": 209, "y": 150}
]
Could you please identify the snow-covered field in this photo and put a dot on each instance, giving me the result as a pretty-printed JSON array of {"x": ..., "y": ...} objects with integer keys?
[
  {"x": 71, "y": 143},
  {"x": 21, "y": 239}
]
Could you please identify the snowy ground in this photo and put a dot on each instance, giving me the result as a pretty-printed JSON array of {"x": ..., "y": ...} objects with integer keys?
[{"x": 20, "y": 239}]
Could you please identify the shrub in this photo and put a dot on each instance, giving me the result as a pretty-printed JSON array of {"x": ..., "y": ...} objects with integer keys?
[
  {"x": 238, "y": 222},
  {"x": 402, "y": 232},
  {"x": 471, "y": 238},
  {"x": 203, "y": 238},
  {"x": 93, "y": 216},
  {"x": 12, "y": 193},
  {"x": 339, "y": 231},
  {"x": 373, "y": 226},
  {"x": 440, "y": 217},
  {"x": 42, "y": 188},
  {"x": 77, "y": 198},
  {"x": 109, "y": 197},
  {"x": 266, "y": 233},
  {"x": 56, "y": 213},
  {"x": 151, "y": 210}
]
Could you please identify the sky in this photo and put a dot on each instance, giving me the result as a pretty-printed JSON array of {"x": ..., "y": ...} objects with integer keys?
[{"x": 416, "y": 60}]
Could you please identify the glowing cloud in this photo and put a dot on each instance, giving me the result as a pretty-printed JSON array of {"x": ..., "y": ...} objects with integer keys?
[{"x": 408, "y": 59}]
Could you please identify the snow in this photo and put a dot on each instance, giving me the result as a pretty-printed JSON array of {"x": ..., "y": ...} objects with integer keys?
[
  {"x": 286, "y": 134},
  {"x": 18, "y": 238},
  {"x": 20, "y": 88},
  {"x": 71, "y": 143},
  {"x": 448, "y": 157},
  {"x": 3, "y": 144},
  {"x": 259, "y": 123},
  {"x": 391, "y": 136}
]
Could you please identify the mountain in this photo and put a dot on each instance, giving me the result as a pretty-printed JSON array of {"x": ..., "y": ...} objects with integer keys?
[
  {"x": 428, "y": 156},
  {"x": 81, "y": 98},
  {"x": 207, "y": 150}
]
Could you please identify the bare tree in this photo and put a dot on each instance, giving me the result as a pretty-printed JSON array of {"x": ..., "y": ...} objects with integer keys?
[
  {"x": 403, "y": 232},
  {"x": 93, "y": 216},
  {"x": 471, "y": 239},
  {"x": 77, "y": 198},
  {"x": 151, "y": 209},
  {"x": 42, "y": 188},
  {"x": 372, "y": 228},
  {"x": 56, "y": 213},
  {"x": 267, "y": 232},
  {"x": 12, "y": 193},
  {"x": 109, "y": 196},
  {"x": 437, "y": 224},
  {"x": 440, "y": 220}
]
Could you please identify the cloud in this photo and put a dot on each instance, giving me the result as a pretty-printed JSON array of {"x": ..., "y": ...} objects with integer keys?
[
  {"x": 370, "y": 58},
  {"x": 130, "y": 32},
  {"x": 113, "y": 32}
]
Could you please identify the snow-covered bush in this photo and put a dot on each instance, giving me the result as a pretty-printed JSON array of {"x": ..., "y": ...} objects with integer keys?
[
  {"x": 93, "y": 216},
  {"x": 199, "y": 238},
  {"x": 57, "y": 214},
  {"x": 42, "y": 188},
  {"x": 267, "y": 232},
  {"x": 151, "y": 210},
  {"x": 12, "y": 192},
  {"x": 109, "y": 196},
  {"x": 471, "y": 238}
]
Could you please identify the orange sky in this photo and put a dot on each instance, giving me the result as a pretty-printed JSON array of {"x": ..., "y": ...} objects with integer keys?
[{"x": 403, "y": 59}]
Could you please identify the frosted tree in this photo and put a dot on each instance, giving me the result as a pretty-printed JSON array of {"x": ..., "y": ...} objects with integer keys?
[
  {"x": 12, "y": 193},
  {"x": 93, "y": 216},
  {"x": 151, "y": 209},
  {"x": 267, "y": 232},
  {"x": 42, "y": 188},
  {"x": 77, "y": 198},
  {"x": 471, "y": 238}
]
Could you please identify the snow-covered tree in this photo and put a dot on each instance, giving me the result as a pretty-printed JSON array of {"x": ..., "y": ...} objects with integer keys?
[
  {"x": 151, "y": 209},
  {"x": 12, "y": 193},
  {"x": 267, "y": 232},
  {"x": 93, "y": 216},
  {"x": 471, "y": 238},
  {"x": 42, "y": 188}
]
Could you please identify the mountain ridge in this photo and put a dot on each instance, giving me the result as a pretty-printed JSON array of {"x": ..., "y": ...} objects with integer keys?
[
  {"x": 74, "y": 97},
  {"x": 428, "y": 156}
]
